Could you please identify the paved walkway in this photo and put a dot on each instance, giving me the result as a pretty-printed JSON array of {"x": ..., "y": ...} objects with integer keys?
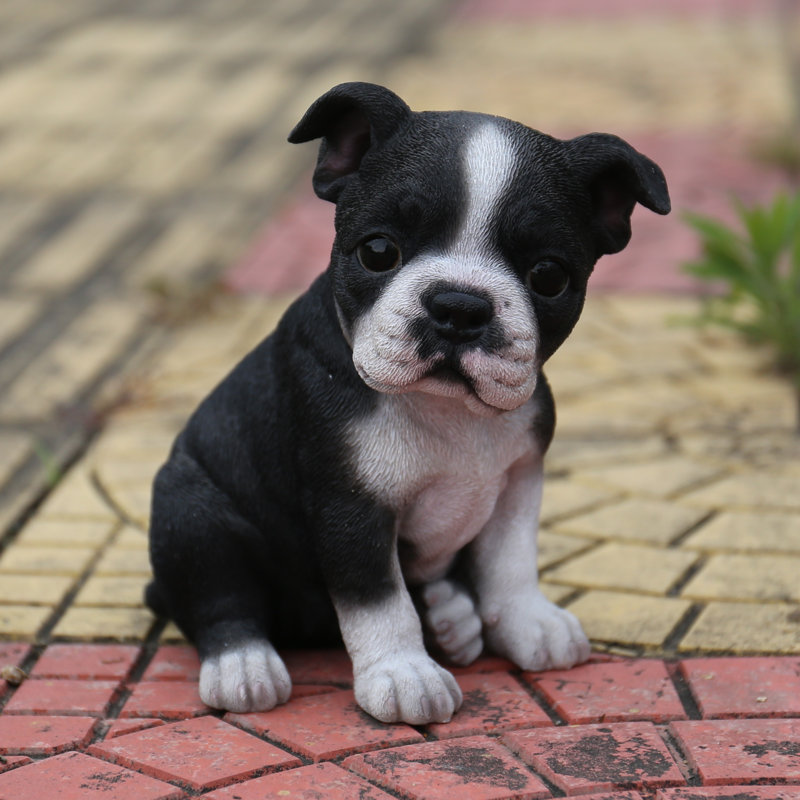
[{"x": 141, "y": 149}]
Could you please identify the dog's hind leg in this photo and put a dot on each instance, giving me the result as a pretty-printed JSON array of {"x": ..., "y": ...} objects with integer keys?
[
  {"x": 452, "y": 620},
  {"x": 207, "y": 563}
]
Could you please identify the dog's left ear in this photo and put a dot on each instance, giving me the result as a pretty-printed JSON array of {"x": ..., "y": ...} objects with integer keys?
[
  {"x": 617, "y": 177},
  {"x": 352, "y": 118}
]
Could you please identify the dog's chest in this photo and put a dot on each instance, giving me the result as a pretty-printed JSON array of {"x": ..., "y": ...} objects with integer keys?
[{"x": 440, "y": 468}]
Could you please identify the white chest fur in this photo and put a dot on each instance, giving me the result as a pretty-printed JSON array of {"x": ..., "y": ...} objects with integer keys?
[{"x": 440, "y": 468}]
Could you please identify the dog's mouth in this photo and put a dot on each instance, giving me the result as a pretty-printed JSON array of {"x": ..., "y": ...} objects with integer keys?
[{"x": 449, "y": 377}]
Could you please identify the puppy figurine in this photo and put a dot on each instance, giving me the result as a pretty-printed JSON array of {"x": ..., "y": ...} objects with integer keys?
[{"x": 378, "y": 458}]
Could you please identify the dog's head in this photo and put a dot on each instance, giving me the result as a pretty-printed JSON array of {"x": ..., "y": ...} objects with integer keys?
[{"x": 464, "y": 241}]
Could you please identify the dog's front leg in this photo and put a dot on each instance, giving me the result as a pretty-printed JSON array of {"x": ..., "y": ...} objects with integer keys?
[
  {"x": 395, "y": 680},
  {"x": 519, "y": 621}
]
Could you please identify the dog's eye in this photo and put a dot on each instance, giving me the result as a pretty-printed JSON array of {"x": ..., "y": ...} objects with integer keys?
[
  {"x": 378, "y": 254},
  {"x": 547, "y": 278}
]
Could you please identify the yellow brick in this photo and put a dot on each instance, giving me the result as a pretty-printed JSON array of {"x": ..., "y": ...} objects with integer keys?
[
  {"x": 758, "y": 490},
  {"x": 131, "y": 538},
  {"x": 630, "y": 567},
  {"x": 76, "y": 498},
  {"x": 555, "y": 593},
  {"x": 746, "y": 531},
  {"x": 119, "y": 590},
  {"x": 23, "y": 621},
  {"x": 172, "y": 634},
  {"x": 35, "y": 590},
  {"x": 119, "y": 561},
  {"x": 104, "y": 623},
  {"x": 64, "y": 533},
  {"x": 554, "y": 547},
  {"x": 52, "y": 560},
  {"x": 635, "y": 519},
  {"x": 564, "y": 497},
  {"x": 746, "y": 628},
  {"x": 15, "y": 315},
  {"x": 72, "y": 254},
  {"x": 628, "y": 618},
  {"x": 14, "y": 449},
  {"x": 570, "y": 453},
  {"x": 134, "y": 500},
  {"x": 661, "y": 478},
  {"x": 88, "y": 346},
  {"x": 746, "y": 577}
]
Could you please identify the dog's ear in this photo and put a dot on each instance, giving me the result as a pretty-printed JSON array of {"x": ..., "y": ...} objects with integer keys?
[
  {"x": 617, "y": 177},
  {"x": 351, "y": 118}
]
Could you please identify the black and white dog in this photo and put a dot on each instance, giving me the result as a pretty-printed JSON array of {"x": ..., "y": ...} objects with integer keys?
[{"x": 379, "y": 457}]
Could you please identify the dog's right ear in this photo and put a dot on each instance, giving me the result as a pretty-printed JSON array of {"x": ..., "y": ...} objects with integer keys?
[{"x": 351, "y": 118}]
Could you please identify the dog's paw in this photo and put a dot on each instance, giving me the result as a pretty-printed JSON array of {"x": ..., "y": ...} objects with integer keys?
[
  {"x": 247, "y": 677},
  {"x": 536, "y": 634},
  {"x": 452, "y": 620},
  {"x": 415, "y": 690}
]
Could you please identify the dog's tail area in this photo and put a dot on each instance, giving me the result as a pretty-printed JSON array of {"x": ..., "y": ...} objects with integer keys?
[{"x": 155, "y": 600}]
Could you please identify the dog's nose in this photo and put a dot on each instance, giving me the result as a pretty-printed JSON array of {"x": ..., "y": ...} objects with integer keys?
[{"x": 459, "y": 317}]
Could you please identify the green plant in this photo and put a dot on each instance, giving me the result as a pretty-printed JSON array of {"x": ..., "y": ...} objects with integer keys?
[{"x": 757, "y": 270}]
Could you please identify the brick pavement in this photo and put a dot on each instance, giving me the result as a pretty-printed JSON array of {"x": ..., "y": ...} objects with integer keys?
[{"x": 141, "y": 148}]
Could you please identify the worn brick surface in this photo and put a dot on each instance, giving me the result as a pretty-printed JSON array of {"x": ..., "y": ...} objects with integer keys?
[
  {"x": 635, "y": 519},
  {"x": 748, "y": 531},
  {"x": 611, "y": 692},
  {"x": 745, "y": 687},
  {"x": 742, "y": 750},
  {"x": 306, "y": 783},
  {"x": 111, "y": 623},
  {"x": 60, "y": 696},
  {"x": 732, "y": 576},
  {"x": 593, "y": 758},
  {"x": 168, "y": 699},
  {"x": 492, "y": 702},
  {"x": 745, "y": 628},
  {"x": 204, "y": 753},
  {"x": 174, "y": 663},
  {"x": 614, "y": 565},
  {"x": 86, "y": 661},
  {"x": 628, "y": 618},
  {"x": 75, "y": 776},
  {"x": 325, "y": 726},
  {"x": 43, "y": 735},
  {"x": 22, "y": 621},
  {"x": 475, "y": 768},
  {"x": 731, "y": 792}
]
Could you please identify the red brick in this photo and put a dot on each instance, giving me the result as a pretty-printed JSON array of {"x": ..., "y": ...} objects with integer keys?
[
  {"x": 730, "y": 793},
  {"x": 325, "y": 726},
  {"x": 173, "y": 663},
  {"x": 307, "y": 783},
  {"x": 9, "y": 762},
  {"x": 319, "y": 666},
  {"x": 86, "y": 661},
  {"x": 613, "y": 796},
  {"x": 593, "y": 758},
  {"x": 745, "y": 687},
  {"x": 167, "y": 699},
  {"x": 309, "y": 689},
  {"x": 483, "y": 664},
  {"x": 75, "y": 776},
  {"x": 203, "y": 753},
  {"x": 472, "y": 768},
  {"x": 611, "y": 692},
  {"x": 13, "y": 653},
  {"x": 43, "y": 736},
  {"x": 492, "y": 702},
  {"x": 121, "y": 727},
  {"x": 727, "y": 751},
  {"x": 62, "y": 696}
]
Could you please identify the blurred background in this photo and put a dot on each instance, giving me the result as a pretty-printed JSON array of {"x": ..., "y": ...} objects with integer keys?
[{"x": 144, "y": 168}]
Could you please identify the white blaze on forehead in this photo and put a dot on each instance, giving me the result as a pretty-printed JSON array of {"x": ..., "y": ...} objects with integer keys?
[{"x": 489, "y": 161}]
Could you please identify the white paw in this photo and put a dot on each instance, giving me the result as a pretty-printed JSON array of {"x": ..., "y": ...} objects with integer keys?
[
  {"x": 247, "y": 677},
  {"x": 412, "y": 689},
  {"x": 536, "y": 634},
  {"x": 452, "y": 619}
]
